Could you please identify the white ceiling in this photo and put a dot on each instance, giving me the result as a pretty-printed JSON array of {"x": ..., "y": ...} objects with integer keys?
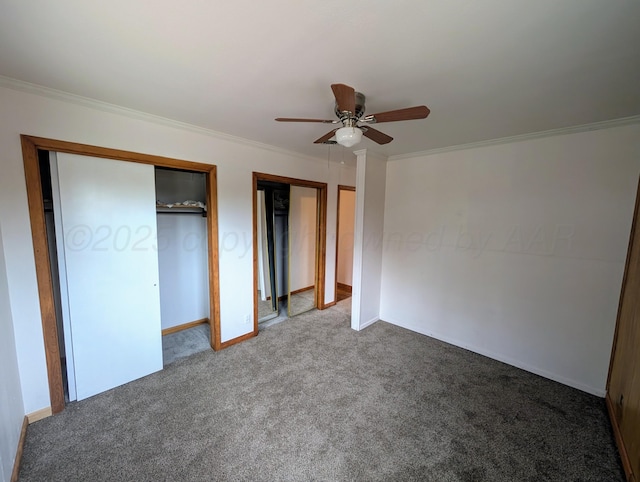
[{"x": 486, "y": 69}]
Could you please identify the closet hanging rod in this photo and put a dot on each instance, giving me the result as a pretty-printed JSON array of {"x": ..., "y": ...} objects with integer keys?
[{"x": 200, "y": 211}]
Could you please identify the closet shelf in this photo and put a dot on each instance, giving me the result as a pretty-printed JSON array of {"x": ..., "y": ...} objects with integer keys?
[{"x": 178, "y": 209}]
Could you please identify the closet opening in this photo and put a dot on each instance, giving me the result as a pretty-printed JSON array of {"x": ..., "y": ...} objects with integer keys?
[
  {"x": 182, "y": 262},
  {"x": 52, "y": 172},
  {"x": 289, "y": 226}
]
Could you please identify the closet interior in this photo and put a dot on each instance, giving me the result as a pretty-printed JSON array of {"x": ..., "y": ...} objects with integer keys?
[{"x": 182, "y": 261}]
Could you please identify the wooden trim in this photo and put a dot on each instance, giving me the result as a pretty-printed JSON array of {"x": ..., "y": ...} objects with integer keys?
[
  {"x": 261, "y": 176},
  {"x": 116, "y": 154},
  {"x": 636, "y": 209},
  {"x": 238, "y": 339},
  {"x": 43, "y": 271},
  {"x": 30, "y": 147},
  {"x": 254, "y": 221},
  {"x": 329, "y": 305},
  {"x": 341, "y": 187},
  {"x": 624, "y": 456},
  {"x": 302, "y": 290},
  {"x": 321, "y": 236},
  {"x": 39, "y": 414},
  {"x": 321, "y": 247},
  {"x": 19, "y": 450},
  {"x": 184, "y": 326},
  {"x": 344, "y": 287},
  {"x": 213, "y": 258}
]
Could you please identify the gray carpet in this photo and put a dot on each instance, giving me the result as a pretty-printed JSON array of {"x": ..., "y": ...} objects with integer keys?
[
  {"x": 301, "y": 302},
  {"x": 185, "y": 343},
  {"x": 310, "y": 399}
]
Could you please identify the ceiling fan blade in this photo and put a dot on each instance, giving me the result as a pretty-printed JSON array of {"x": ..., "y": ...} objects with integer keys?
[
  {"x": 293, "y": 119},
  {"x": 410, "y": 113},
  {"x": 376, "y": 135},
  {"x": 345, "y": 97},
  {"x": 325, "y": 137}
]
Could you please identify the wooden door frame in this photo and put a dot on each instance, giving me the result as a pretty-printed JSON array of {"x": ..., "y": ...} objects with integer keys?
[
  {"x": 30, "y": 147},
  {"x": 615, "y": 424},
  {"x": 340, "y": 188},
  {"x": 321, "y": 237}
]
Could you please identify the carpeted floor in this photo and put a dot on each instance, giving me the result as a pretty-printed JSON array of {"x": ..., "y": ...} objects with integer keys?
[
  {"x": 301, "y": 302},
  {"x": 185, "y": 343},
  {"x": 311, "y": 399}
]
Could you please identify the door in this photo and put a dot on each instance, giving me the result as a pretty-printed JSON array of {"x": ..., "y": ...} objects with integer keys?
[
  {"x": 267, "y": 292},
  {"x": 108, "y": 235},
  {"x": 623, "y": 386},
  {"x": 303, "y": 221}
]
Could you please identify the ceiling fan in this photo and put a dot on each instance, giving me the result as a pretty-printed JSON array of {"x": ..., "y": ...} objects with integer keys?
[{"x": 350, "y": 112}]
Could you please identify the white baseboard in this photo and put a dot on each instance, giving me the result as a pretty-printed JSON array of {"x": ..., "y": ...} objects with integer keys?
[
  {"x": 368, "y": 323},
  {"x": 39, "y": 414},
  {"x": 504, "y": 359}
]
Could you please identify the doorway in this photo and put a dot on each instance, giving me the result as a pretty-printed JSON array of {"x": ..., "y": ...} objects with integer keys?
[
  {"x": 31, "y": 147},
  {"x": 344, "y": 241},
  {"x": 181, "y": 214},
  {"x": 289, "y": 246}
]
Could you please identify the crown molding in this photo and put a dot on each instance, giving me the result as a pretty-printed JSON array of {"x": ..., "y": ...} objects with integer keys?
[
  {"x": 623, "y": 121},
  {"x": 60, "y": 95}
]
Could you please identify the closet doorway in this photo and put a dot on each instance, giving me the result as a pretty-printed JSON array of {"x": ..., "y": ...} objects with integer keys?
[
  {"x": 181, "y": 212},
  {"x": 344, "y": 241},
  {"x": 33, "y": 148},
  {"x": 289, "y": 246}
]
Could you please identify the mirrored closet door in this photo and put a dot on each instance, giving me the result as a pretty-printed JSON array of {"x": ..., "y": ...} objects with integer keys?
[
  {"x": 303, "y": 218},
  {"x": 267, "y": 290},
  {"x": 288, "y": 238}
]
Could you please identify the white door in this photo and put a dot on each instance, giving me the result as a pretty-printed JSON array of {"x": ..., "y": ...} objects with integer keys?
[{"x": 107, "y": 210}]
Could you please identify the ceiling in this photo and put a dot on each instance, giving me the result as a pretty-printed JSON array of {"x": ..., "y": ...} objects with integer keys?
[{"x": 486, "y": 69}]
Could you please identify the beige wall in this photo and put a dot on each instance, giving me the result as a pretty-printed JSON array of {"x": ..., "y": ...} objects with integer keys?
[
  {"x": 302, "y": 237},
  {"x": 515, "y": 251},
  {"x": 346, "y": 225}
]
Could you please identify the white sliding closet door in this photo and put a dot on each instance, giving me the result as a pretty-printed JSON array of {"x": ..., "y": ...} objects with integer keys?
[{"x": 107, "y": 209}]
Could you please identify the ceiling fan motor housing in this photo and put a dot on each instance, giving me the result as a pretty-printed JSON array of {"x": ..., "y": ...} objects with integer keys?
[{"x": 360, "y": 98}]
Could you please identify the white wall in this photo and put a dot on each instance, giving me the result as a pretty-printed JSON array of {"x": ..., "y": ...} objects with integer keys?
[
  {"x": 367, "y": 245},
  {"x": 303, "y": 206},
  {"x": 515, "y": 251},
  {"x": 11, "y": 407},
  {"x": 346, "y": 222},
  {"x": 73, "y": 119},
  {"x": 183, "y": 268}
]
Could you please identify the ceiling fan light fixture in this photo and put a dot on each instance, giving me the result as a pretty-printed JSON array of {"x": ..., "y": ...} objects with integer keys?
[{"x": 348, "y": 136}]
